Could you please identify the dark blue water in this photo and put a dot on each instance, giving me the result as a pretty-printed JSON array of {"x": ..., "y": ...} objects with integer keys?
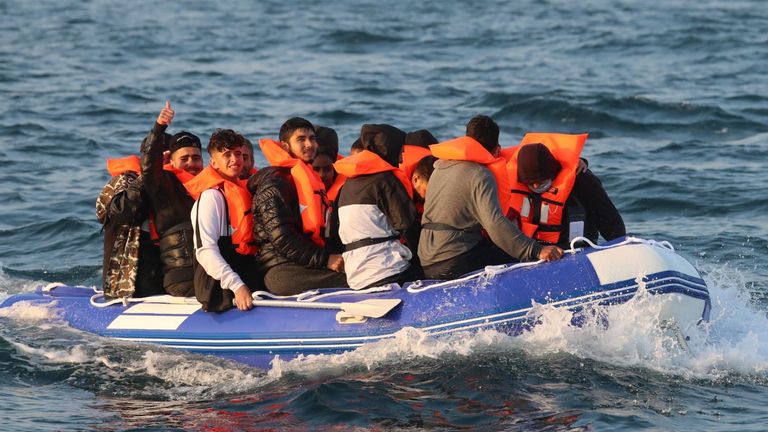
[{"x": 673, "y": 94}]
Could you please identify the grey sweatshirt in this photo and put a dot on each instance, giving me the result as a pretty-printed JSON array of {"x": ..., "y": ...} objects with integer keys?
[{"x": 464, "y": 195}]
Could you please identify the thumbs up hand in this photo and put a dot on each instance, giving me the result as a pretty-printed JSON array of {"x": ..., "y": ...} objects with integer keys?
[{"x": 166, "y": 114}]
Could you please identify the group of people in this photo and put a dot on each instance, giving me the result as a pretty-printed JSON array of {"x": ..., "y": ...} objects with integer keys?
[{"x": 401, "y": 207}]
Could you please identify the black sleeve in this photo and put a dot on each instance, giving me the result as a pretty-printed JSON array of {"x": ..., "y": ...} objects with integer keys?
[
  {"x": 152, "y": 149},
  {"x": 599, "y": 208},
  {"x": 333, "y": 241},
  {"x": 127, "y": 206},
  {"x": 398, "y": 207},
  {"x": 276, "y": 217}
]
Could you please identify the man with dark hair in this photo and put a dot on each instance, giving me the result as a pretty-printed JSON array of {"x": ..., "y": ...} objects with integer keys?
[
  {"x": 326, "y": 155},
  {"x": 356, "y": 147},
  {"x": 168, "y": 200},
  {"x": 415, "y": 149},
  {"x": 420, "y": 177},
  {"x": 290, "y": 213},
  {"x": 328, "y": 139},
  {"x": 223, "y": 227},
  {"x": 323, "y": 166},
  {"x": 555, "y": 200},
  {"x": 484, "y": 130},
  {"x": 248, "y": 162},
  {"x": 468, "y": 193}
]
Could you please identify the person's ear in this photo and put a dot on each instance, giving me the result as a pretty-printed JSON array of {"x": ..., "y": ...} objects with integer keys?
[{"x": 285, "y": 145}]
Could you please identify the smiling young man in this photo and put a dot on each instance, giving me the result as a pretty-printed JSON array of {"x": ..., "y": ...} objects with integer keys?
[
  {"x": 167, "y": 199},
  {"x": 222, "y": 225},
  {"x": 289, "y": 212}
]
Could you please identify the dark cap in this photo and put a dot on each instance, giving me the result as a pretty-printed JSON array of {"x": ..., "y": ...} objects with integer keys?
[
  {"x": 536, "y": 163},
  {"x": 421, "y": 138},
  {"x": 328, "y": 139},
  {"x": 385, "y": 140},
  {"x": 184, "y": 139}
]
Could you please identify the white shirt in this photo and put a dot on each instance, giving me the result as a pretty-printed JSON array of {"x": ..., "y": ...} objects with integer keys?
[
  {"x": 372, "y": 263},
  {"x": 213, "y": 225}
]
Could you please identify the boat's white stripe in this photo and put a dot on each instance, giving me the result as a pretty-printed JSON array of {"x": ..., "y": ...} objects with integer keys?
[
  {"x": 163, "y": 309},
  {"x": 147, "y": 322},
  {"x": 259, "y": 348},
  {"x": 468, "y": 324}
]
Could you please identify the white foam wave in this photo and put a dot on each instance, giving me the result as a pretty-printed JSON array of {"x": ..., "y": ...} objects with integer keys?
[
  {"x": 734, "y": 341},
  {"x": 77, "y": 354},
  {"x": 182, "y": 369},
  {"x": 29, "y": 311}
]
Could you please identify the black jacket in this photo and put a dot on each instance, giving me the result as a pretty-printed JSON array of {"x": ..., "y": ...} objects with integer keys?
[
  {"x": 601, "y": 215},
  {"x": 171, "y": 205},
  {"x": 277, "y": 226},
  {"x": 169, "y": 200}
]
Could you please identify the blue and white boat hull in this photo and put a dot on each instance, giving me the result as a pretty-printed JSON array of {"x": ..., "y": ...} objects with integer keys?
[{"x": 498, "y": 298}]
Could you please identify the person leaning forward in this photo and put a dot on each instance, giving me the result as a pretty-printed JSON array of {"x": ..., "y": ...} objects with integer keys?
[
  {"x": 289, "y": 212},
  {"x": 465, "y": 196},
  {"x": 555, "y": 201},
  {"x": 168, "y": 200},
  {"x": 223, "y": 227}
]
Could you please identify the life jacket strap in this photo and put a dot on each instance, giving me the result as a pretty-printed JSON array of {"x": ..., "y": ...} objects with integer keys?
[
  {"x": 369, "y": 242},
  {"x": 437, "y": 226}
]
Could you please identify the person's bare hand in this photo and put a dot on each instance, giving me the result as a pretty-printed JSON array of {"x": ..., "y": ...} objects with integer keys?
[
  {"x": 550, "y": 253},
  {"x": 243, "y": 299},
  {"x": 166, "y": 114},
  {"x": 336, "y": 263}
]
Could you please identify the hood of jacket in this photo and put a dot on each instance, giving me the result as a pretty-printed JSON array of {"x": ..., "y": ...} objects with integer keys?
[{"x": 385, "y": 140}]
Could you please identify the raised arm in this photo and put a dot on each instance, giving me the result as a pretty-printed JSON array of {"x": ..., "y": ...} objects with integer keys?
[{"x": 152, "y": 149}]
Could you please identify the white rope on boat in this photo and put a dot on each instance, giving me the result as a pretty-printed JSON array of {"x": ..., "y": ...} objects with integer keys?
[
  {"x": 378, "y": 289},
  {"x": 490, "y": 271},
  {"x": 314, "y": 295},
  {"x": 125, "y": 301},
  {"x": 629, "y": 240},
  {"x": 268, "y": 295}
]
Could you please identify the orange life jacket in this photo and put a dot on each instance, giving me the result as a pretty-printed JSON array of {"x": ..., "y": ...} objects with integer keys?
[
  {"x": 238, "y": 205},
  {"x": 333, "y": 192},
  {"x": 411, "y": 156},
  {"x": 368, "y": 162},
  {"x": 133, "y": 163},
  {"x": 468, "y": 149},
  {"x": 115, "y": 167},
  {"x": 546, "y": 223},
  {"x": 313, "y": 204}
]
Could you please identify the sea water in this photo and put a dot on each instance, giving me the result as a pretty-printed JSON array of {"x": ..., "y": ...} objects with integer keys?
[{"x": 672, "y": 94}]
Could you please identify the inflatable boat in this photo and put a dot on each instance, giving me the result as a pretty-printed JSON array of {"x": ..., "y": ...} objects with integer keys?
[{"x": 335, "y": 320}]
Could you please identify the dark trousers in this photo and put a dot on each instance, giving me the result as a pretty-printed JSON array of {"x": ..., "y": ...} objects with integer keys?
[
  {"x": 485, "y": 253},
  {"x": 412, "y": 273},
  {"x": 291, "y": 279}
]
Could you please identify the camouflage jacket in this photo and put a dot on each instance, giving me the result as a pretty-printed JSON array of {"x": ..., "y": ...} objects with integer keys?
[{"x": 121, "y": 241}]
